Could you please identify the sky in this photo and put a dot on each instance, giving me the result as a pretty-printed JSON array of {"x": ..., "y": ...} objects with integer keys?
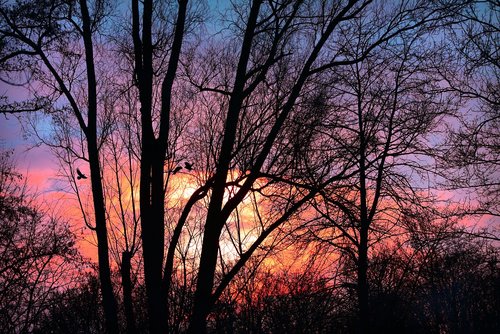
[{"x": 38, "y": 162}]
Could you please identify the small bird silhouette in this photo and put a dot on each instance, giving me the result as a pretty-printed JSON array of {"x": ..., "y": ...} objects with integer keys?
[
  {"x": 188, "y": 165},
  {"x": 176, "y": 169},
  {"x": 80, "y": 175}
]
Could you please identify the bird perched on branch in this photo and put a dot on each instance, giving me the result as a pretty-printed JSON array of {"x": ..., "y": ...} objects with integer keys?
[
  {"x": 188, "y": 165},
  {"x": 80, "y": 175}
]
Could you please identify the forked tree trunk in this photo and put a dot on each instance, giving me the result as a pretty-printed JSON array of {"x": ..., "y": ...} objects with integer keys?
[{"x": 153, "y": 155}]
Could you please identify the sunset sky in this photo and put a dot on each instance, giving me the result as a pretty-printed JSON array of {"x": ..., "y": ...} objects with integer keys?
[{"x": 249, "y": 166}]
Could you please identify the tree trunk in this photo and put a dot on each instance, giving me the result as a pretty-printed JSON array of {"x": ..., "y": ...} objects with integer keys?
[
  {"x": 152, "y": 201},
  {"x": 108, "y": 298},
  {"x": 159, "y": 302},
  {"x": 169, "y": 262},
  {"x": 215, "y": 219},
  {"x": 127, "y": 292},
  {"x": 152, "y": 241},
  {"x": 364, "y": 222},
  {"x": 362, "y": 267}
]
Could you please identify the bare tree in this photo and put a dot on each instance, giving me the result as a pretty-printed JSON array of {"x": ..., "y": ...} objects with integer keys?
[
  {"x": 288, "y": 108},
  {"x": 470, "y": 155},
  {"x": 268, "y": 28},
  {"x": 37, "y": 254},
  {"x": 40, "y": 52},
  {"x": 121, "y": 186},
  {"x": 382, "y": 112},
  {"x": 154, "y": 149},
  {"x": 437, "y": 278}
]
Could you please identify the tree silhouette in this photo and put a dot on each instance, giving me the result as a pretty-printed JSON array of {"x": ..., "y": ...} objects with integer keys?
[
  {"x": 296, "y": 123},
  {"x": 470, "y": 157},
  {"x": 38, "y": 38},
  {"x": 38, "y": 255}
]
